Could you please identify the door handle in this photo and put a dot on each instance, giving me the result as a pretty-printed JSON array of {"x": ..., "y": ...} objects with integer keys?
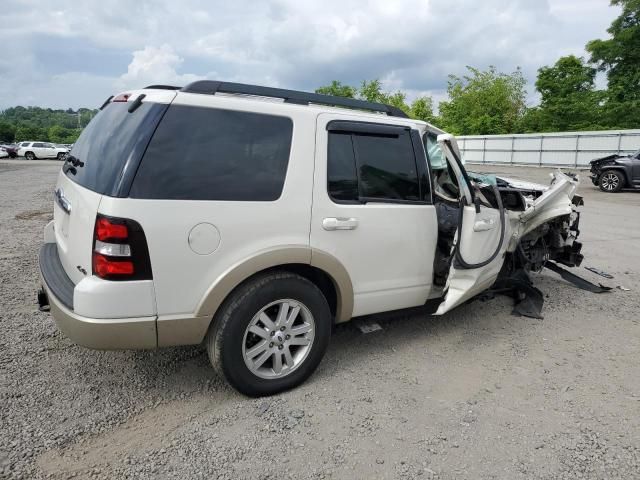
[
  {"x": 484, "y": 225},
  {"x": 333, "y": 223}
]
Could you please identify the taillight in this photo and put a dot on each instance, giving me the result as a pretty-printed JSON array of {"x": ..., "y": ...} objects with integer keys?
[
  {"x": 108, "y": 230},
  {"x": 120, "y": 250}
]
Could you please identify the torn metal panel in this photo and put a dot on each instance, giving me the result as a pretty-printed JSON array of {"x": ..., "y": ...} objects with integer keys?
[{"x": 576, "y": 280}]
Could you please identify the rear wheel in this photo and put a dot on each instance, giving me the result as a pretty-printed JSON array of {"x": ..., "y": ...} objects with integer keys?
[
  {"x": 270, "y": 334},
  {"x": 30, "y": 156},
  {"x": 611, "y": 181}
]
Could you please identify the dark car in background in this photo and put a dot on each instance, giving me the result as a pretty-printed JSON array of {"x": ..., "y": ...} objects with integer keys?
[
  {"x": 615, "y": 172},
  {"x": 12, "y": 150}
]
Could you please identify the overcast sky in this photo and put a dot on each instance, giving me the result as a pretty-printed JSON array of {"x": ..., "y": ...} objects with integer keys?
[{"x": 79, "y": 52}]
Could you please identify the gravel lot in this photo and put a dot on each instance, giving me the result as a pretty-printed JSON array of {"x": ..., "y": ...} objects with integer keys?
[{"x": 475, "y": 394}]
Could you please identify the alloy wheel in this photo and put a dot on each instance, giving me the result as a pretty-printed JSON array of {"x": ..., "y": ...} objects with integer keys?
[
  {"x": 610, "y": 181},
  {"x": 278, "y": 339}
]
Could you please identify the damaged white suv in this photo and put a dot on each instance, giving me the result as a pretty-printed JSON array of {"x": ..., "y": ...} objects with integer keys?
[{"x": 253, "y": 219}]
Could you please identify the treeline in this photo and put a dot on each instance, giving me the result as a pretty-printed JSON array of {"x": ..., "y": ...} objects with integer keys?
[
  {"x": 490, "y": 102},
  {"x": 35, "y": 123}
]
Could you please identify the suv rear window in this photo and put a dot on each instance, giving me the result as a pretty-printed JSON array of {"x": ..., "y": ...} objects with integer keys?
[
  {"x": 202, "y": 153},
  {"x": 112, "y": 139}
]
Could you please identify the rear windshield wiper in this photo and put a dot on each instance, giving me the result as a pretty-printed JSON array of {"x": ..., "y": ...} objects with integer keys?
[{"x": 71, "y": 163}]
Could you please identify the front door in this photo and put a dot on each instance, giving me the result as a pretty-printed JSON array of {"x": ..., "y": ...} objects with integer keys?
[
  {"x": 372, "y": 211},
  {"x": 481, "y": 239}
]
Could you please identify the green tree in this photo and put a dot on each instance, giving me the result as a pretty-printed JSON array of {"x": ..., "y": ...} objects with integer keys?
[
  {"x": 422, "y": 109},
  {"x": 7, "y": 132},
  {"x": 337, "y": 89},
  {"x": 30, "y": 132},
  {"x": 569, "y": 100},
  {"x": 619, "y": 57},
  {"x": 484, "y": 102}
]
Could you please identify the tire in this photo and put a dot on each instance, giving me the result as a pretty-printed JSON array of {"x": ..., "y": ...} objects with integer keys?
[
  {"x": 229, "y": 341},
  {"x": 611, "y": 181},
  {"x": 61, "y": 156},
  {"x": 29, "y": 156},
  {"x": 13, "y": 155}
]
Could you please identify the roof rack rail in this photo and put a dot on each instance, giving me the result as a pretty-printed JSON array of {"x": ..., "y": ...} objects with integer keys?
[
  {"x": 162, "y": 87},
  {"x": 211, "y": 87}
]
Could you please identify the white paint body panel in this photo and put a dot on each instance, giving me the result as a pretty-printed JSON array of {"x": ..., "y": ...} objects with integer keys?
[
  {"x": 97, "y": 298},
  {"x": 74, "y": 230}
]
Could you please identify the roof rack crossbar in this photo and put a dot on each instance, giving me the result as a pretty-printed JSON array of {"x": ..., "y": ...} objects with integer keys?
[{"x": 211, "y": 87}]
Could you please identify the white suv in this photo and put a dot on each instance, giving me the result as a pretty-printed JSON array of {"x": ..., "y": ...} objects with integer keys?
[
  {"x": 33, "y": 150},
  {"x": 253, "y": 219}
]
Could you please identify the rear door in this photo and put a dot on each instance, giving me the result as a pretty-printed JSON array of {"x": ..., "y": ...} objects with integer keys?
[
  {"x": 49, "y": 151},
  {"x": 99, "y": 162},
  {"x": 39, "y": 150},
  {"x": 372, "y": 211}
]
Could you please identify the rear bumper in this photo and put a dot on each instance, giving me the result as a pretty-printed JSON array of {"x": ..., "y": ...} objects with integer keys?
[{"x": 98, "y": 333}]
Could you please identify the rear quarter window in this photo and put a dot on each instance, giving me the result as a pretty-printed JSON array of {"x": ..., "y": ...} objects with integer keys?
[{"x": 201, "y": 153}]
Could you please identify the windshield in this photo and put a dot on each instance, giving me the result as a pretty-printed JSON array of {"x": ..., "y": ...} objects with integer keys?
[{"x": 113, "y": 138}]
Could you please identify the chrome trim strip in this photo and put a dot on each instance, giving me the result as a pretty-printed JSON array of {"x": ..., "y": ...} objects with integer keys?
[{"x": 62, "y": 201}]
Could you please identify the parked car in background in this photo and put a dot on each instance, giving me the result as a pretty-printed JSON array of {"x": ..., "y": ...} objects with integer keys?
[
  {"x": 615, "y": 172},
  {"x": 10, "y": 149},
  {"x": 3, "y": 153},
  {"x": 33, "y": 150}
]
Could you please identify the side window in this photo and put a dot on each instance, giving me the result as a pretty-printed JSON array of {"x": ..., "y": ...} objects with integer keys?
[
  {"x": 387, "y": 167},
  {"x": 377, "y": 166},
  {"x": 201, "y": 153},
  {"x": 38, "y": 145}
]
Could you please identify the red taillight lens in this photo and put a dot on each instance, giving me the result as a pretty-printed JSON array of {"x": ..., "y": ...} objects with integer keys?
[
  {"x": 106, "y": 230},
  {"x": 120, "y": 250},
  {"x": 103, "y": 267}
]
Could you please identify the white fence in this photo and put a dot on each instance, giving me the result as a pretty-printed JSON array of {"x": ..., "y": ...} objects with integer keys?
[{"x": 575, "y": 149}]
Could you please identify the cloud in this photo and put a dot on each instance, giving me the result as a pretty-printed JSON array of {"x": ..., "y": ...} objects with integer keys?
[
  {"x": 154, "y": 65},
  {"x": 409, "y": 44}
]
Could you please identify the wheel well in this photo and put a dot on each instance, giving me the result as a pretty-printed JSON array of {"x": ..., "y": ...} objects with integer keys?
[{"x": 318, "y": 277}]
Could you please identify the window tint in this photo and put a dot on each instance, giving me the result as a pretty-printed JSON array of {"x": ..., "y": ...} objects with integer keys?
[
  {"x": 387, "y": 167},
  {"x": 362, "y": 166},
  {"x": 38, "y": 144},
  {"x": 211, "y": 154},
  {"x": 114, "y": 137},
  {"x": 341, "y": 170}
]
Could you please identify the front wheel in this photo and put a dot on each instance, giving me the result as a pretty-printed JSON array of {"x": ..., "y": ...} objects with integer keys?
[
  {"x": 270, "y": 334},
  {"x": 61, "y": 156},
  {"x": 30, "y": 156},
  {"x": 611, "y": 181}
]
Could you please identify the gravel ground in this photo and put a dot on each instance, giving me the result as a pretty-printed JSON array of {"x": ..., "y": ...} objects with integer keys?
[{"x": 475, "y": 394}]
